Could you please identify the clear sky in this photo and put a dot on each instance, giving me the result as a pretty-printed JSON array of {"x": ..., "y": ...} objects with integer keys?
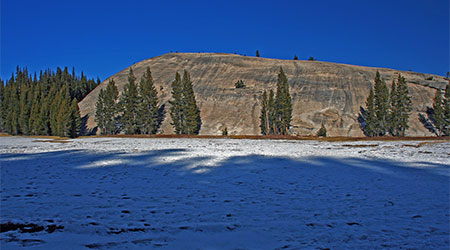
[{"x": 103, "y": 37}]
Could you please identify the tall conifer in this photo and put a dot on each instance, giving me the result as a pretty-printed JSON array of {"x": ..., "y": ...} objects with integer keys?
[
  {"x": 403, "y": 106},
  {"x": 381, "y": 105},
  {"x": 264, "y": 117},
  {"x": 176, "y": 105},
  {"x": 100, "y": 117},
  {"x": 370, "y": 117},
  {"x": 192, "y": 122},
  {"x": 148, "y": 107},
  {"x": 111, "y": 107},
  {"x": 74, "y": 119},
  {"x": 283, "y": 105},
  {"x": 438, "y": 112},
  {"x": 446, "y": 107},
  {"x": 129, "y": 103}
]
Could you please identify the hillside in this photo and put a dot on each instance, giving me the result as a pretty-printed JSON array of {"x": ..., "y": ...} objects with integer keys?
[{"x": 322, "y": 92}]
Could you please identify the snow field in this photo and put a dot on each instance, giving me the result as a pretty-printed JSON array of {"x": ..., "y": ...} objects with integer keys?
[{"x": 123, "y": 193}]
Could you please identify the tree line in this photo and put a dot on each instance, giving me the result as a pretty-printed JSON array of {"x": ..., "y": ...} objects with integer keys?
[
  {"x": 437, "y": 119},
  {"x": 137, "y": 111},
  {"x": 276, "y": 108},
  {"x": 44, "y": 105},
  {"x": 386, "y": 112}
]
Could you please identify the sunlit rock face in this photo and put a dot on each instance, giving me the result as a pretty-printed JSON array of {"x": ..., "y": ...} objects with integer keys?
[{"x": 321, "y": 92}]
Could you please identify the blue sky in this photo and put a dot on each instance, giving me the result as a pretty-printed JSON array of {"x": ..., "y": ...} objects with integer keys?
[{"x": 103, "y": 37}]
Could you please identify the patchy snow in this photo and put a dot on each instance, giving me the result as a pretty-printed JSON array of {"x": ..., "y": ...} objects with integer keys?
[{"x": 117, "y": 193}]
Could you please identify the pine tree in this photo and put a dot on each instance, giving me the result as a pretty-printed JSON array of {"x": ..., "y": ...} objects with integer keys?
[
  {"x": 295, "y": 57},
  {"x": 283, "y": 105},
  {"x": 264, "y": 117},
  {"x": 42, "y": 123},
  {"x": 257, "y": 53},
  {"x": 111, "y": 108},
  {"x": 176, "y": 108},
  {"x": 404, "y": 106},
  {"x": 322, "y": 131},
  {"x": 438, "y": 112},
  {"x": 192, "y": 122},
  {"x": 25, "y": 108},
  {"x": 2, "y": 110},
  {"x": 381, "y": 105},
  {"x": 63, "y": 119},
  {"x": 446, "y": 107},
  {"x": 272, "y": 113},
  {"x": 129, "y": 103},
  {"x": 148, "y": 107},
  {"x": 74, "y": 119},
  {"x": 393, "y": 118},
  {"x": 100, "y": 118},
  {"x": 370, "y": 117}
]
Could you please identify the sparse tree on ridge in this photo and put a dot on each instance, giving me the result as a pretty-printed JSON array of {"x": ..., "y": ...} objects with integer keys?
[{"x": 257, "y": 53}]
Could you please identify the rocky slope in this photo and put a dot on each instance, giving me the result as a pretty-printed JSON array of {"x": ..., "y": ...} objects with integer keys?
[{"x": 322, "y": 92}]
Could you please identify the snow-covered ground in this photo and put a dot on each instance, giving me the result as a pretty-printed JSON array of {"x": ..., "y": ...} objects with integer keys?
[{"x": 118, "y": 193}]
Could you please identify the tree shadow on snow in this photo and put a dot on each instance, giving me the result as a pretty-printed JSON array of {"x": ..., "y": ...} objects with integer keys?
[{"x": 303, "y": 194}]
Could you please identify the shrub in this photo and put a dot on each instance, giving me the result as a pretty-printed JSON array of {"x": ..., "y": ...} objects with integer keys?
[
  {"x": 239, "y": 84},
  {"x": 322, "y": 131}
]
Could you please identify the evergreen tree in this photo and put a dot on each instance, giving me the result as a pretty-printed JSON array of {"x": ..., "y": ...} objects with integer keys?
[
  {"x": 192, "y": 121},
  {"x": 295, "y": 57},
  {"x": 264, "y": 117},
  {"x": 393, "y": 118},
  {"x": 322, "y": 131},
  {"x": 42, "y": 123},
  {"x": 370, "y": 117},
  {"x": 63, "y": 119},
  {"x": 2, "y": 110},
  {"x": 381, "y": 105},
  {"x": 176, "y": 108},
  {"x": 272, "y": 113},
  {"x": 74, "y": 119},
  {"x": 257, "y": 53},
  {"x": 283, "y": 105},
  {"x": 148, "y": 107},
  {"x": 111, "y": 108},
  {"x": 129, "y": 103},
  {"x": 438, "y": 112},
  {"x": 446, "y": 107},
  {"x": 403, "y": 106},
  {"x": 100, "y": 112}
]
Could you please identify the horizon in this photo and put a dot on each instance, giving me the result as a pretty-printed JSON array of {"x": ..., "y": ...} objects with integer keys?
[{"x": 103, "y": 38}]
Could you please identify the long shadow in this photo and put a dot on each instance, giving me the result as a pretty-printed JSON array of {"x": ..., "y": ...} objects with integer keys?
[{"x": 295, "y": 200}]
